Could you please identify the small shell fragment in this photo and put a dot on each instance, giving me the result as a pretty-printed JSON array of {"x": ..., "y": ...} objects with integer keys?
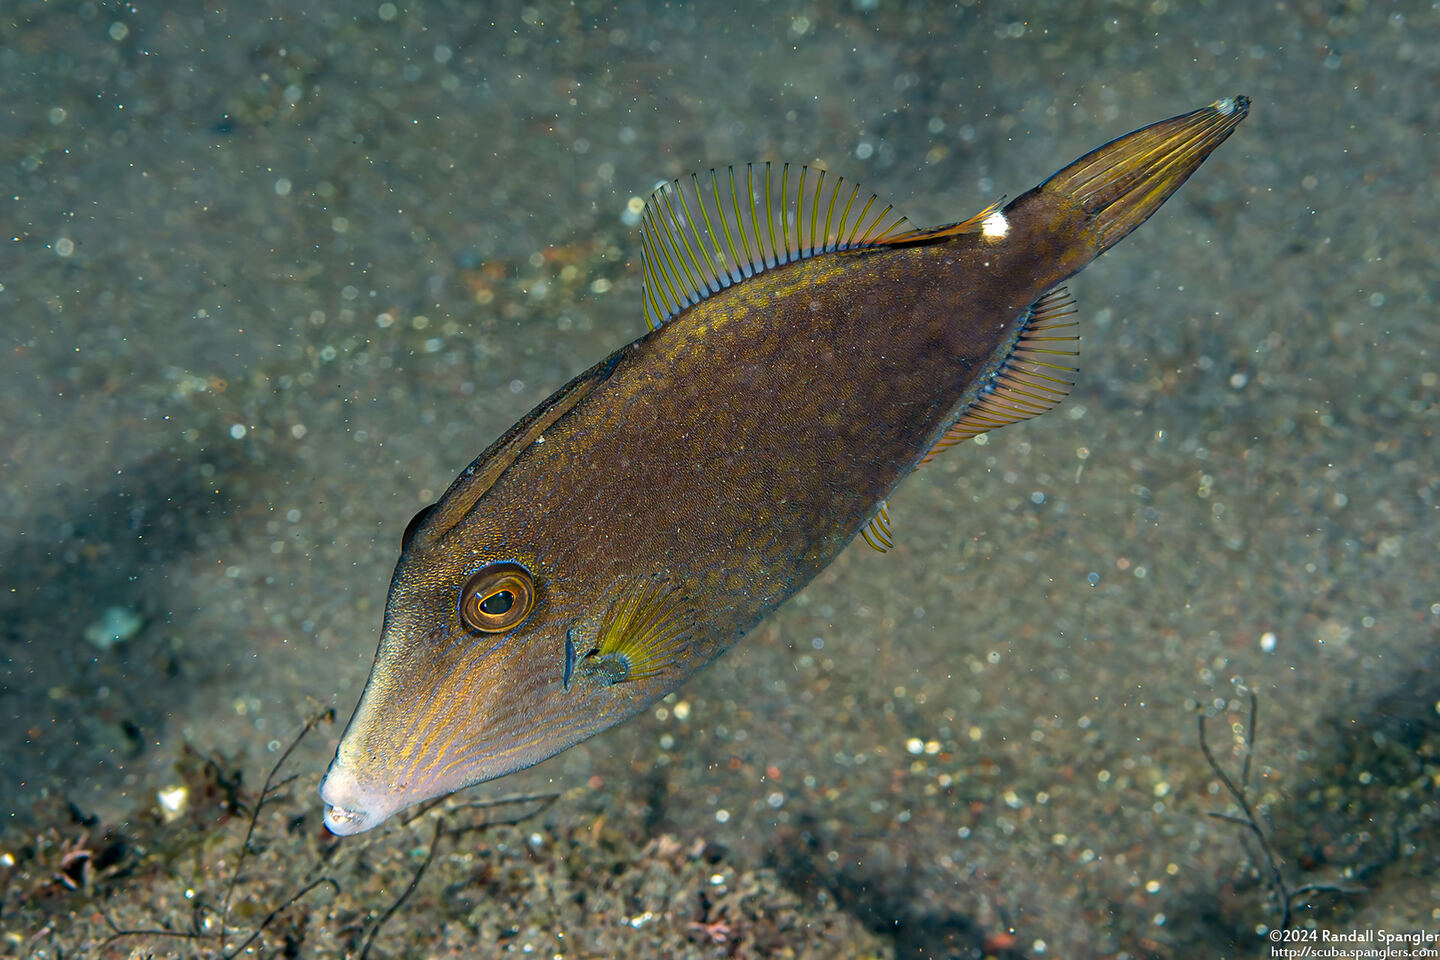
[{"x": 172, "y": 802}]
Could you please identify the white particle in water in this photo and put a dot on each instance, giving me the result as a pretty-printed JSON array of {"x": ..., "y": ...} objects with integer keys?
[{"x": 634, "y": 207}]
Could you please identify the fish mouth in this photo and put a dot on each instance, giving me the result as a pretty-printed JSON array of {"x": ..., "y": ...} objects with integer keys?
[{"x": 351, "y": 807}]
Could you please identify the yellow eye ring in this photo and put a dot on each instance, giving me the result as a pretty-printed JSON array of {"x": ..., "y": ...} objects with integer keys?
[{"x": 498, "y": 598}]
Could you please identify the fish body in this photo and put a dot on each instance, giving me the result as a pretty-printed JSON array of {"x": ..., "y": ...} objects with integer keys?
[{"x": 637, "y": 523}]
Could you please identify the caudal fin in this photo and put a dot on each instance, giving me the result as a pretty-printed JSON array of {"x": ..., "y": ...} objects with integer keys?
[{"x": 1122, "y": 183}]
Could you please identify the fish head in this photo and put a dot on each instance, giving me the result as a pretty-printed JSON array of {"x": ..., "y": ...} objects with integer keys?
[{"x": 491, "y": 661}]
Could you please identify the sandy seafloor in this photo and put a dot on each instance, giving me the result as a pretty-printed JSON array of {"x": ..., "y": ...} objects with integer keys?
[{"x": 272, "y": 276}]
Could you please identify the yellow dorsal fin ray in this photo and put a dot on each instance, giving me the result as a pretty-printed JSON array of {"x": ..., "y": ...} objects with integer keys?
[
  {"x": 975, "y": 224},
  {"x": 713, "y": 230},
  {"x": 1034, "y": 378}
]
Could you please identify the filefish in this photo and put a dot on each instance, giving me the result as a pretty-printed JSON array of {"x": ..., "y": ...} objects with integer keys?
[{"x": 808, "y": 350}]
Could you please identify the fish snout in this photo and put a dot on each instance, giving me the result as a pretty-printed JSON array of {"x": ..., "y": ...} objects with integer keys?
[{"x": 351, "y": 807}]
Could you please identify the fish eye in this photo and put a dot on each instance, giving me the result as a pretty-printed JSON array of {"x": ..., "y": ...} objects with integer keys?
[
  {"x": 497, "y": 598},
  {"x": 497, "y": 603}
]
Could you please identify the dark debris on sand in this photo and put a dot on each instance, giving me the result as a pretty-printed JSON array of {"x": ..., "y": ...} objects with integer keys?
[{"x": 224, "y": 874}]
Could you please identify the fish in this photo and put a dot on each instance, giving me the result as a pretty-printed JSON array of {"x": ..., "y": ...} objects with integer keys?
[{"x": 807, "y": 350}]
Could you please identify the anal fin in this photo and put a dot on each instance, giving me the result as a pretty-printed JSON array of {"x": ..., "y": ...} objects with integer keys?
[
  {"x": 877, "y": 531},
  {"x": 1034, "y": 378}
]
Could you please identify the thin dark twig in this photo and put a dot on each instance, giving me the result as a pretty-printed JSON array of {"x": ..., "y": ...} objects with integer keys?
[
  {"x": 118, "y": 932},
  {"x": 198, "y": 934},
  {"x": 197, "y": 919},
  {"x": 327, "y": 715},
  {"x": 1277, "y": 879},
  {"x": 267, "y": 792},
  {"x": 157, "y": 932},
  {"x": 295, "y": 898},
  {"x": 283, "y": 784},
  {"x": 1325, "y": 888},
  {"x": 1284, "y": 893},
  {"x": 546, "y": 799},
  {"x": 422, "y": 809},
  {"x": 405, "y": 895},
  {"x": 105, "y": 915},
  {"x": 1249, "y": 740}
]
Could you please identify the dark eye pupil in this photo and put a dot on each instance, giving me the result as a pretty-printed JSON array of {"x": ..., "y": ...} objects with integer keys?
[{"x": 498, "y": 603}]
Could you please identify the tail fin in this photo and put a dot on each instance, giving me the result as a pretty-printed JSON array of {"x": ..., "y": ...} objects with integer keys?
[{"x": 1122, "y": 183}]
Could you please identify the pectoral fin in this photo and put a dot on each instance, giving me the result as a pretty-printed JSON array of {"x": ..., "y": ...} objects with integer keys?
[{"x": 642, "y": 634}]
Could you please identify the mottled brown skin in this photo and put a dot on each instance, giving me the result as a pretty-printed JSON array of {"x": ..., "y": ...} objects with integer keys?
[{"x": 730, "y": 454}]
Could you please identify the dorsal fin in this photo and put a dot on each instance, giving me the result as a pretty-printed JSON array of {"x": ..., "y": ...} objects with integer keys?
[
  {"x": 1033, "y": 379},
  {"x": 713, "y": 230},
  {"x": 980, "y": 223}
]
